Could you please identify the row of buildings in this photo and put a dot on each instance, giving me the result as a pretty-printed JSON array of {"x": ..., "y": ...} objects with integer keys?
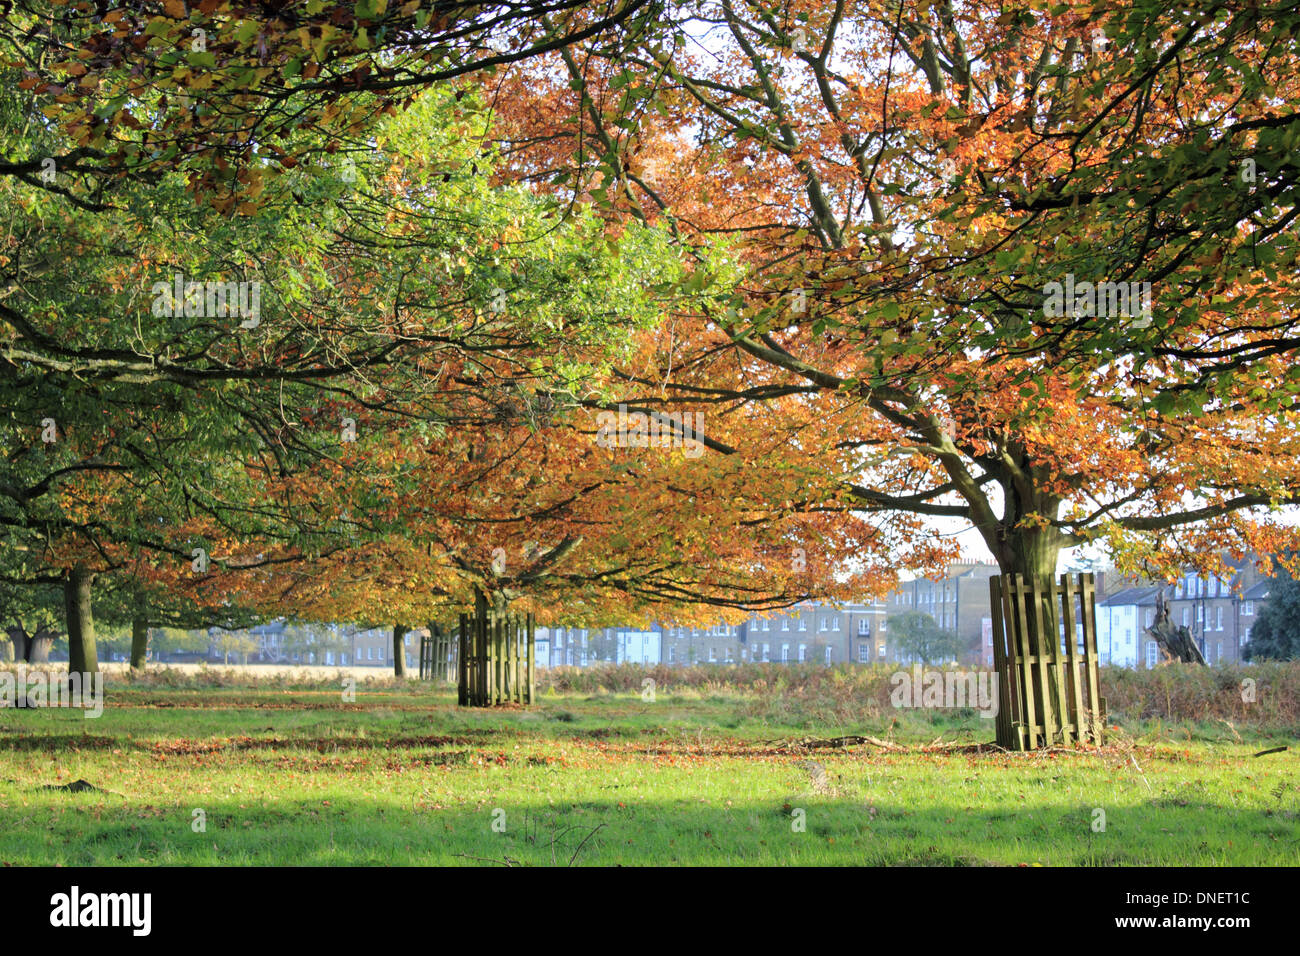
[
  {"x": 1219, "y": 613},
  {"x": 330, "y": 645},
  {"x": 817, "y": 633}
]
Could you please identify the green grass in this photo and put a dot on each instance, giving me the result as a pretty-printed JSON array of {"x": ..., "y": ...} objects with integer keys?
[{"x": 296, "y": 776}]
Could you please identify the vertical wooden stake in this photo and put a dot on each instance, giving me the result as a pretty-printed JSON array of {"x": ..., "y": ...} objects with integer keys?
[
  {"x": 463, "y": 665},
  {"x": 531, "y": 654}
]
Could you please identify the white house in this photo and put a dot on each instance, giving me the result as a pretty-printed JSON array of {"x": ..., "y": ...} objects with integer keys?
[{"x": 1121, "y": 621}]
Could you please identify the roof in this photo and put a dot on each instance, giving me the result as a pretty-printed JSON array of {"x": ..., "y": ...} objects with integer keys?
[
  {"x": 1130, "y": 596},
  {"x": 1258, "y": 592}
]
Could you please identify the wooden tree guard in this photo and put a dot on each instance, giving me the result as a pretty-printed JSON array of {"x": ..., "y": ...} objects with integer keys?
[
  {"x": 437, "y": 655},
  {"x": 1047, "y": 686},
  {"x": 496, "y": 660}
]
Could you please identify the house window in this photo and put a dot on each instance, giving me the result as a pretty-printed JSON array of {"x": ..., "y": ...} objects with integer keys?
[
  {"x": 767, "y": 652},
  {"x": 880, "y": 650},
  {"x": 1151, "y": 654},
  {"x": 864, "y": 626},
  {"x": 803, "y": 624},
  {"x": 828, "y": 653},
  {"x": 727, "y": 655},
  {"x": 713, "y": 654},
  {"x": 785, "y": 653},
  {"x": 1187, "y": 616},
  {"x": 1247, "y": 608},
  {"x": 864, "y": 653},
  {"x": 1218, "y": 617},
  {"x": 823, "y": 626},
  {"x": 785, "y": 624},
  {"x": 803, "y": 652},
  {"x": 671, "y": 654},
  {"x": 835, "y": 624}
]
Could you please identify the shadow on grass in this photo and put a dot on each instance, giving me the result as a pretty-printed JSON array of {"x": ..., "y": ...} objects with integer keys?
[
  {"x": 94, "y": 829},
  {"x": 71, "y": 743}
]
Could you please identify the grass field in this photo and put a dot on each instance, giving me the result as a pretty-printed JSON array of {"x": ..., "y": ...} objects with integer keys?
[{"x": 294, "y": 775}]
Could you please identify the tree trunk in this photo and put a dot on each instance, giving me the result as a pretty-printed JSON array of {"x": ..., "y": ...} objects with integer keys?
[
  {"x": 82, "y": 655},
  {"x": 1034, "y": 552},
  {"x": 139, "y": 642},
  {"x": 399, "y": 649},
  {"x": 38, "y": 646},
  {"x": 20, "y": 643}
]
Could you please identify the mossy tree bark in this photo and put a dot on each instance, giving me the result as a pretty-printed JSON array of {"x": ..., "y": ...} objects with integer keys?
[
  {"x": 139, "y": 641},
  {"x": 83, "y": 658}
]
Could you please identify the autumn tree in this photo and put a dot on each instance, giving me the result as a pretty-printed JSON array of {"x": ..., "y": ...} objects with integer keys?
[
  {"x": 913, "y": 186},
  {"x": 1026, "y": 267},
  {"x": 551, "y": 516},
  {"x": 392, "y": 285}
]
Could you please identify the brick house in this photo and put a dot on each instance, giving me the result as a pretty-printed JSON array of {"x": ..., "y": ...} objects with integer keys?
[
  {"x": 959, "y": 601},
  {"x": 1219, "y": 613}
]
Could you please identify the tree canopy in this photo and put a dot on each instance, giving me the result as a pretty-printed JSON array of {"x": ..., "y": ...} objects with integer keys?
[{"x": 326, "y": 305}]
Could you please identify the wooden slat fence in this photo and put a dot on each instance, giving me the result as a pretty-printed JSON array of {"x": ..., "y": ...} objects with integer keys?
[
  {"x": 496, "y": 660},
  {"x": 1048, "y": 690},
  {"x": 437, "y": 655}
]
